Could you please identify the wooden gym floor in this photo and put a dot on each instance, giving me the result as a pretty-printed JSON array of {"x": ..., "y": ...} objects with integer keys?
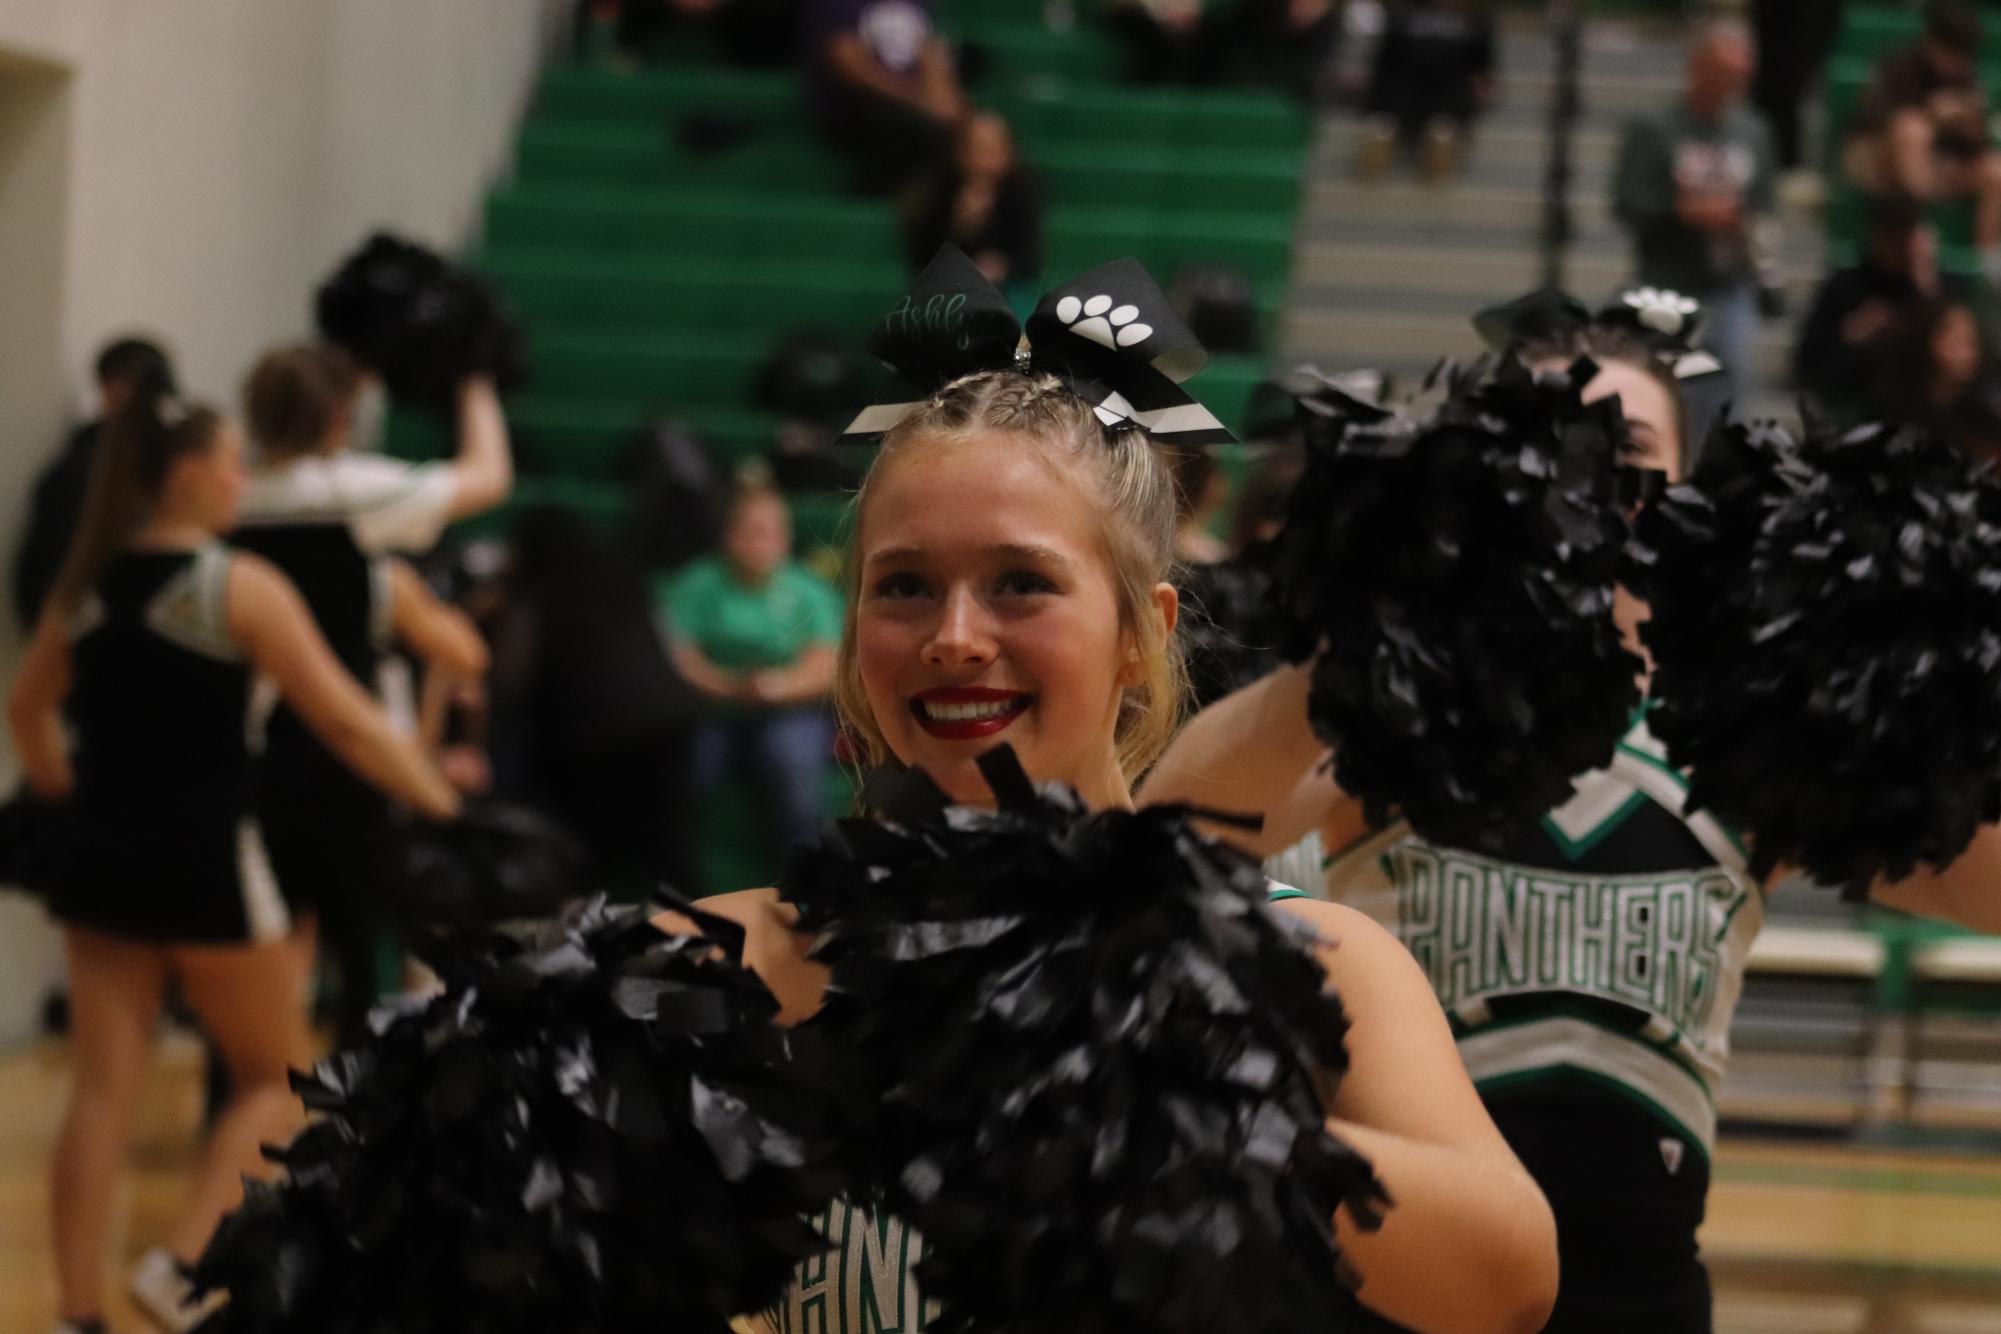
[{"x": 1801, "y": 1240}]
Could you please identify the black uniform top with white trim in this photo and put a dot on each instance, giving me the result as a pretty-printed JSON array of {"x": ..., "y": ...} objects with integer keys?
[
  {"x": 329, "y": 523},
  {"x": 166, "y": 847}
]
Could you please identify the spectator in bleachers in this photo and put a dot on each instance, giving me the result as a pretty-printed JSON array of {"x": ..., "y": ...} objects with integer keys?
[
  {"x": 126, "y": 367},
  {"x": 1936, "y": 374},
  {"x": 759, "y": 34},
  {"x": 591, "y": 720},
  {"x": 1922, "y": 126},
  {"x": 1226, "y": 627},
  {"x": 755, "y": 631},
  {"x": 987, "y": 203},
  {"x": 1860, "y": 311},
  {"x": 1200, "y": 490},
  {"x": 1793, "y": 41},
  {"x": 1286, "y": 43},
  {"x": 1696, "y": 186},
  {"x": 1433, "y": 75},
  {"x": 883, "y": 86},
  {"x": 1169, "y": 41},
  {"x": 1267, "y": 490}
]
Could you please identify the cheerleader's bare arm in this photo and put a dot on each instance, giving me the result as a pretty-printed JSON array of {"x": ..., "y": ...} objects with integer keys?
[{"x": 1468, "y": 1245}]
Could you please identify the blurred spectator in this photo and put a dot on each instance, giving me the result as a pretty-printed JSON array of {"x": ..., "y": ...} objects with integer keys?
[
  {"x": 1696, "y": 186},
  {"x": 590, "y": 717},
  {"x": 1861, "y": 311},
  {"x": 1262, "y": 500},
  {"x": 1227, "y": 629},
  {"x": 755, "y": 33},
  {"x": 1170, "y": 41},
  {"x": 755, "y": 632},
  {"x": 986, "y": 203},
  {"x": 1793, "y": 40},
  {"x": 1922, "y": 125},
  {"x": 1199, "y": 492},
  {"x": 1220, "y": 303},
  {"x": 677, "y": 497},
  {"x": 1434, "y": 73},
  {"x": 883, "y": 86},
  {"x": 1936, "y": 374},
  {"x": 126, "y": 367},
  {"x": 1288, "y": 43}
]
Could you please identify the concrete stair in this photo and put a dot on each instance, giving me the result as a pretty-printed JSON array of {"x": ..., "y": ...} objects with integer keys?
[{"x": 1386, "y": 275}]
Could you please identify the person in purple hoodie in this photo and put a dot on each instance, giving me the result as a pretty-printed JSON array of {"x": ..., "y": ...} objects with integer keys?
[{"x": 884, "y": 87}]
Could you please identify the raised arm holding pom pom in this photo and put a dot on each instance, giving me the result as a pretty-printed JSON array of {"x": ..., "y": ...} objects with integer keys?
[
  {"x": 1590, "y": 958},
  {"x": 483, "y": 465}
]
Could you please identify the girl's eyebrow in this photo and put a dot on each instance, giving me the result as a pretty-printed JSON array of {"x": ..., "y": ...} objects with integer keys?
[{"x": 1005, "y": 550}]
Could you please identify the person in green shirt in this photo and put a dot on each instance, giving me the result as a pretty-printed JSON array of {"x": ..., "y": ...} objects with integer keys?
[{"x": 755, "y": 631}]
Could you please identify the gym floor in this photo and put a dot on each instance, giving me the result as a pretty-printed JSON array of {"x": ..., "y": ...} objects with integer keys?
[{"x": 1803, "y": 1238}]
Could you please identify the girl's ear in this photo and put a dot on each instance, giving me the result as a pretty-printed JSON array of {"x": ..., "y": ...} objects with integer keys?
[
  {"x": 1167, "y": 598},
  {"x": 1166, "y": 608}
]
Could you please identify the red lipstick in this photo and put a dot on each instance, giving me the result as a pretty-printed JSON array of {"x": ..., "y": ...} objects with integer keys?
[{"x": 967, "y": 713}]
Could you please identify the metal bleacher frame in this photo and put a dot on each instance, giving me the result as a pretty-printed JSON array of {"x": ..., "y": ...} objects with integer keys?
[
  {"x": 1944, "y": 973},
  {"x": 1824, "y": 967},
  {"x": 1820, "y": 961}
]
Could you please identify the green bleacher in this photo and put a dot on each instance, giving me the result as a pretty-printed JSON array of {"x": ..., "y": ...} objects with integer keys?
[{"x": 654, "y": 276}]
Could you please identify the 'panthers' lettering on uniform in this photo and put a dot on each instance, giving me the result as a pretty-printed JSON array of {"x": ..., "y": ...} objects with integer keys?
[{"x": 1607, "y": 943}]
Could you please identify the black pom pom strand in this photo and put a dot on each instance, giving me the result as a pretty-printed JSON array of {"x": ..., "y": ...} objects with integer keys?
[
  {"x": 1826, "y": 637},
  {"x": 420, "y": 322},
  {"x": 1099, "y": 1061},
  {"x": 1454, "y": 575},
  {"x": 594, "y": 1130}
]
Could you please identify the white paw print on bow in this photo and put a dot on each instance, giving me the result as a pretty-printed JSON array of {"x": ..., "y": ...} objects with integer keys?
[
  {"x": 1097, "y": 320},
  {"x": 1662, "y": 310}
]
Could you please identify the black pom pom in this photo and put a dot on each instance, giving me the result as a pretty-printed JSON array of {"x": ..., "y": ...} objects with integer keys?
[
  {"x": 1455, "y": 574},
  {"x": 497, "y": 862},
  {"x": 594, "y": 1131},
  {"x": 1097, "y": 1055},
  {"x": 420, "y": 323},
  {"x": 1826, "y": 637}
]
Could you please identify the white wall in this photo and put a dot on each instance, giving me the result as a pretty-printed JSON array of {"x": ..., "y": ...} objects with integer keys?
[
  {"x": 35, "y": 121},
  {"x": 227, "y": 151},
  {"x": 192, "y": 168}
]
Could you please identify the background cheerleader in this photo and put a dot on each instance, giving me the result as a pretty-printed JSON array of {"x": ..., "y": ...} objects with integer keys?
[
  {"x": 1599, "y": 1061},
  {"x": 330, "y": 518},
  {"x": 151, "y": 637}
]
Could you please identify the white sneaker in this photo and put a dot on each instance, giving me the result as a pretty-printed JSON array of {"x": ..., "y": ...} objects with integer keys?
[{"x": 164, "y": 1295}]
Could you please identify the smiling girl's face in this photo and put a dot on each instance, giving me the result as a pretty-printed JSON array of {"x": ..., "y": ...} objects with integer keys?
[{"x": 987, "y": 613}]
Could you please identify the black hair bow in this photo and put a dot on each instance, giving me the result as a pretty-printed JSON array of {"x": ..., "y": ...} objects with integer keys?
[
  {"x": 1110, "y": 335},
  {"x": 1669, "y": 322}
]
